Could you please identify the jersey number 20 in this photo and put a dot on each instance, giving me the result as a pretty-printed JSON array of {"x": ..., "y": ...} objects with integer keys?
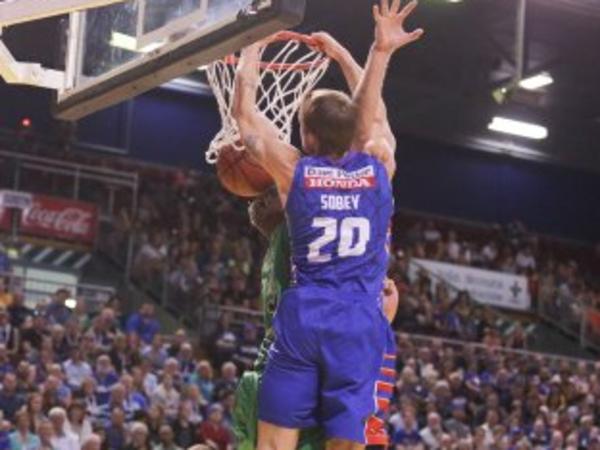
[{"x": 345, "y": 230}]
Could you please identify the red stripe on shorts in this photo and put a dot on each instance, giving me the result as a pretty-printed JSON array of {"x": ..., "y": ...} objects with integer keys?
[
  {"x": 388, "y": 372},
  {"x": 385, "y": 387}
]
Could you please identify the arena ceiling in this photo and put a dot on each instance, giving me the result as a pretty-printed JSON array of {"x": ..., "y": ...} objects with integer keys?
[{"x": 441, "y": 88}]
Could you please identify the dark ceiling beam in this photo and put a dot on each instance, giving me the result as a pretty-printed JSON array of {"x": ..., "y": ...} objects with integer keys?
[{"x": 500, "y": 50}]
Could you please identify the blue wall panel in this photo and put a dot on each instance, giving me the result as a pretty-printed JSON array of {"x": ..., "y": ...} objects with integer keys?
[
  {"x": 173, "y": 128},
  {"x": 107, "y": 128},
  {"x": 451, "y": 181}
]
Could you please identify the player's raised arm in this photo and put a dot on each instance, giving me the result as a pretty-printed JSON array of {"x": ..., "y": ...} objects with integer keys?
[
  {"x": 353, "y": 72},
  {"x": 390, "y": 36},
  {"x": 259, "y": 135}
]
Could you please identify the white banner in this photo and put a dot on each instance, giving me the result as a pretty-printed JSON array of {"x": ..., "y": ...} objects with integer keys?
[
  {"x": 15, "y": 199},
  {"x": 485, "y": 286}
]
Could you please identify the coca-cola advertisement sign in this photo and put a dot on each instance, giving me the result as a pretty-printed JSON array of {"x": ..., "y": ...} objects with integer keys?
[{"x": 56, "y": 218}]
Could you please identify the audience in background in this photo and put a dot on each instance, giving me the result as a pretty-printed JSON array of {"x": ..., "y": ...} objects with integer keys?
[
  {"x": 165, "y": 395},
  {"x": 160, "y": 395},
  {"x": 73, "y": 380}
]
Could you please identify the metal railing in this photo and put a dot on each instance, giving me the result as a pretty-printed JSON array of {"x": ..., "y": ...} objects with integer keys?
[
  {"x": 111, "y": 190},
  {"x": 551, "y": 360},
  {"x": 102, "y": 186},
  {"x": 569, "y": 313},
  {"x": 36, "y": 291}
]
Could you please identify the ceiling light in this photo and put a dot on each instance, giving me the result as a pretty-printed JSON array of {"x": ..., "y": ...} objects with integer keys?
[
  {"x": 126, "y": 42},
  {"x": 518, "y": 128},
  {"x": 536, "y": 81}
]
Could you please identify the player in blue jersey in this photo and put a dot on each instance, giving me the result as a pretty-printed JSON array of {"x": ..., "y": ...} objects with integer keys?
[{"x": 330, "y": 333}]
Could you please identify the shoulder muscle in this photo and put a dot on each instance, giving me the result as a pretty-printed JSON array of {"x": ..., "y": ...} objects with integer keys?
[{"x": 381, "y": 150}]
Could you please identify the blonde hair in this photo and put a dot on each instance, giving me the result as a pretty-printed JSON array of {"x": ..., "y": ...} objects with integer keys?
[{"x": 331, "y": 117}]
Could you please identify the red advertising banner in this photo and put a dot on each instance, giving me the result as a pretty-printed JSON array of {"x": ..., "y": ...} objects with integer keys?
[
  {"x": 4, "y": 219},
  {"x": 56, "y": 218},
  {"x": 593, "y": 318}
]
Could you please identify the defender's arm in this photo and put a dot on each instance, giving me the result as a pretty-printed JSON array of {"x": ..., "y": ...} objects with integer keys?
[
  {"x": 389, "y": 37},
  {"x": 391, "y": 300},
  {"x": 259, "y": 135}
]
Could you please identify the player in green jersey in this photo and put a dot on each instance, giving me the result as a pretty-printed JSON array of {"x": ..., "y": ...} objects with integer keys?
[{"x": 267, "y": 216}]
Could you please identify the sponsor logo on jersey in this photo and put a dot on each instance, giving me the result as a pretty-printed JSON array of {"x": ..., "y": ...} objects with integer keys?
[{"x": 334, "y": 178}]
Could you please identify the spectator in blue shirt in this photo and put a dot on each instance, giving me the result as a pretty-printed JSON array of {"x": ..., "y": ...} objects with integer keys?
[
  {"x": 134, "y": 396},
  {"x": 116, "y": 433},
  {"x": 105, "y": 377},
  {"x": 187, "y": 365},
  {"x": 143, "y": 323},
  {"x": 5, "y": 365},
  {"x": 586, "y": 431},
  {"x": 57, "y": 311},
  {"x": 204, "y": 379},
  {"x": 407, "y": 435},
  {"x": 118, "y": 399},
  {"x": 5, "y": 264},
  {"x": 10, "y": 400},
  {"x": 22, "y": 438},
  {"x": 156, "y": 353},
  {"x": 4, "y": 435}
]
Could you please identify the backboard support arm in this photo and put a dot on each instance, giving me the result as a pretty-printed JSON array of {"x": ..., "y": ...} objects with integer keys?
[
  {"x": 22, "y": 11},
  {"x": 33, "y": 74}
]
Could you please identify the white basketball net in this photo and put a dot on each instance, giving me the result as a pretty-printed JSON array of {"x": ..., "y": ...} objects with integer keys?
[{"x": 295, "y": 70}]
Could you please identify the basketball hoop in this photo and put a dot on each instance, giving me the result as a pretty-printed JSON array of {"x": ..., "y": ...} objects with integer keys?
[{"x": 295, "y": 68}]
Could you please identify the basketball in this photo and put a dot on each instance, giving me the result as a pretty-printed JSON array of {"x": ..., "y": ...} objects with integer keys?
[{"x": 240, "y": 174}]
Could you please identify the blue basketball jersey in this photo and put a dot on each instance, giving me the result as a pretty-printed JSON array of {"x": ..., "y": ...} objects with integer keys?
[{"x": 338, "y": 214}]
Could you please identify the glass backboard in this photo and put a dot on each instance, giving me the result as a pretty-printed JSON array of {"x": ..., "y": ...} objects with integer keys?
[{"x": 121, "y": 50}]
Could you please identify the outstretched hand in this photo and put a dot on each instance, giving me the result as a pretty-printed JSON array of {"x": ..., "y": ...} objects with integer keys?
[{"x": 390, "y": 34}]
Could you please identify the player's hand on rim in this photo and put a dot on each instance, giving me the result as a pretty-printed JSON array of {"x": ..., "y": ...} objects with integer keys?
[
  {"x": 328, "y": 44},
  {"x": 390, "y": 34}
]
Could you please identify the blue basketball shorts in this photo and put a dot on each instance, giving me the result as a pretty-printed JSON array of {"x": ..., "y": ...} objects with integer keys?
[{"x": 326, "y": 361}]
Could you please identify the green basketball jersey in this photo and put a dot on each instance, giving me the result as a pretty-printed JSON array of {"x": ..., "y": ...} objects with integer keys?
[{"x": 275, "y": 276}]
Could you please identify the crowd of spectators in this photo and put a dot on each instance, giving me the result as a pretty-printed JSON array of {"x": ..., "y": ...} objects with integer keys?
[
  {"x": 563, "y": 279},
  {"x": 196, "y": 242},
  {"x": 468, "y": 396},
  {"x": 442, "y": 311},
  {"x": 195, "y": 248},
  {"x": 74, "y": 380},
  {"x": 210, "y": 256},
  {"x": 509, "y": 249},
  {"x": 197, "y": 254},
  {"x": 70, "y": 380}
]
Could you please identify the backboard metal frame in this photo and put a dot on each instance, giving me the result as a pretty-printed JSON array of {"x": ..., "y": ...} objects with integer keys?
[
  {"x": 178, "y": 58},
  {"x": 21, "y": 11},
  {"x": 145, "y": 39},
  {"x": 33, "y": 74}
]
